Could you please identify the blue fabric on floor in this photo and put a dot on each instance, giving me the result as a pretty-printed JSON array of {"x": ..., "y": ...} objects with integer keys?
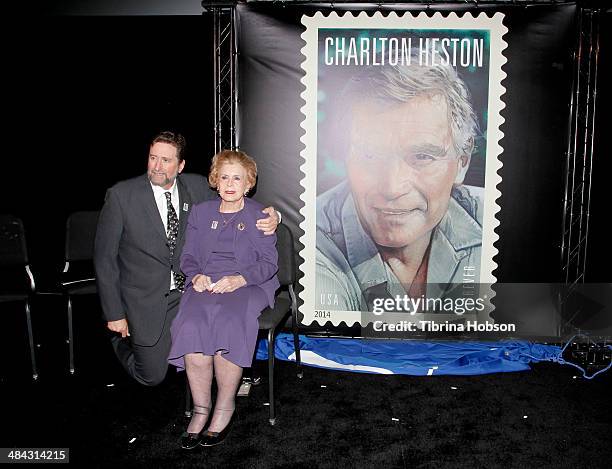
[{"x": 412, "y": 357}]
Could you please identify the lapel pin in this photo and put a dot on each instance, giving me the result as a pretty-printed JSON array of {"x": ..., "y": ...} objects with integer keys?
[
  {"x": 185, "y": 207},
  {"x": 214, "y": 225},
  {"x": 241, "y": 226}
]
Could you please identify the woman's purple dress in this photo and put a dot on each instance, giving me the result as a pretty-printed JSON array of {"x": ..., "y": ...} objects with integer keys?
[{"x": 211, "y": 322}]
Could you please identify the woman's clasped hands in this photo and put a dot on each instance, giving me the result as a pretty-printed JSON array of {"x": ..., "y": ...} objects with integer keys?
[{"x": 226, "y": 284}]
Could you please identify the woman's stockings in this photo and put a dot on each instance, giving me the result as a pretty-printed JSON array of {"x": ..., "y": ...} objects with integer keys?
[
  {"x": 228, "y": 377},
  {"x": 199, "y": 372}
]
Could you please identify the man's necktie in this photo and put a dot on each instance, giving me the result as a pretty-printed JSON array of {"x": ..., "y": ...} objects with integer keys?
[{"x": 173, "y": 228}]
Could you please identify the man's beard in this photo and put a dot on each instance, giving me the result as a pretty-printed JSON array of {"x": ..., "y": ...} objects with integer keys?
[{"x": 167, "y": 180}]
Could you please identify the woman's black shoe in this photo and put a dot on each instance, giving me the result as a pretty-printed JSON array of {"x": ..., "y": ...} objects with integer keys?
[
  {"x": 192, "y": 440},
  {"x": 215, "y": 438}
]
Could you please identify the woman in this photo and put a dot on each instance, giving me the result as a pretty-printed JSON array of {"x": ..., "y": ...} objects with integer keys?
[{"x": 230, "y": 269}]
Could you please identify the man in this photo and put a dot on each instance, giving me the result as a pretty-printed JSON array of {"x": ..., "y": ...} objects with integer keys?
[
  {"x": 138, "y": 245},
  {"x": 402, "y": 223}
]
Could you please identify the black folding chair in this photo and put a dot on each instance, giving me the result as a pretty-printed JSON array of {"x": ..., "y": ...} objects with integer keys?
[
  {"x": 16, "y": 279},
  {"x": 78, "y": 277},
  {"x": 271, "y": 318}
]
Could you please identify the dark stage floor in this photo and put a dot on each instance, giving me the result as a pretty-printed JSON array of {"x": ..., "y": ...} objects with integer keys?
[{"x": 546, "y": 417}]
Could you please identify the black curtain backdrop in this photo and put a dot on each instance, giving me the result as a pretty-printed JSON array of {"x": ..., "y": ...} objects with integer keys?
[
  {"x": 85, "y": 94},
  {"x": 85, "y": 97},
  {"x": 540, "y": 40},
  {"x": 598, "y": 256}
]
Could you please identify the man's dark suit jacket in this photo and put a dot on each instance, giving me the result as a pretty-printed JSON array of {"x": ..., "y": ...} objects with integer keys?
[{"x": 131, "y": 254}]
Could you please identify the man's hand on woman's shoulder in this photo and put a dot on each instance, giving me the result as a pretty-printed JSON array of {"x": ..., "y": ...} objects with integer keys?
[{"x": 268, "y": 225}]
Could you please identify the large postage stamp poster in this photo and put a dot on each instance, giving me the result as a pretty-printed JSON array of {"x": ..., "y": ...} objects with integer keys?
[{"x": 402, "y": 129}]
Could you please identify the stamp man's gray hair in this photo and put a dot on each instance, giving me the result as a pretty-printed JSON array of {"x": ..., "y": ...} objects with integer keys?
[{"x": 397, "y": 84}]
